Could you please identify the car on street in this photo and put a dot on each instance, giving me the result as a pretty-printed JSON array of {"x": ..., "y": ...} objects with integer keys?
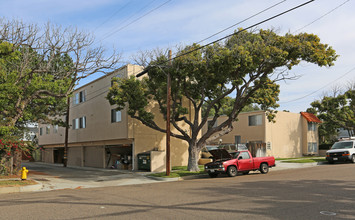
[
  {"x": 237, "y": 162},
  {"x": 342, "y": 151}
]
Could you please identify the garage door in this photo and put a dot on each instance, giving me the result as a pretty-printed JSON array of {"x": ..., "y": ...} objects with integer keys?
[{"x": 94, "y": 156}]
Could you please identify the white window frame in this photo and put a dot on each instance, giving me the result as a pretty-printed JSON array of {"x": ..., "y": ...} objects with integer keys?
[
  {"x": 79, "y": 123},
  {"x": 48, "y": 129},
  {"x": 80, "y": 97},
  {"x": 116, "y": 116},
  {"x": 312, "y": 126},
  {"x": 55, "y": 129},
  {"x": 82, "y": 122}
]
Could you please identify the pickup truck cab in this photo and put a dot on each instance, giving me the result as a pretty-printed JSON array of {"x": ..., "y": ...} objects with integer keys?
[
  {"x": 237, "y": 162},
  {"x": 343, "y": 150}
]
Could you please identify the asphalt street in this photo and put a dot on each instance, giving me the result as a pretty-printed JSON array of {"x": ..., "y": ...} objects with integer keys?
[{"x": 320, "y": 192}]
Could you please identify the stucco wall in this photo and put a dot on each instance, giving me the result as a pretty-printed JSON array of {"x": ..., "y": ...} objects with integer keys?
[
  {"x": 94, "y": 156},
  {"x": 285, "y": 136},
  {"x": 100, "y": 132},
  {"x": 97, "y": 111},
  {"x": 241, "y": 128},
  {"x": 47, "y": 155},
  {"x": 75, "y": 156},
  {"x": 158, "y": 159},
  {"x": 147, "y": 139}
]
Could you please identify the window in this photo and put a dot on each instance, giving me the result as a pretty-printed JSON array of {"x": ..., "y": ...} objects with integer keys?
[
  {"x": 255, "y": 120},
  {"x": 312, "y": 147},
  {"x": 40, "y": 131},
  {"x": 312, "y": 126},
  {"x": 82, "y": 122},
  {"x": 245, "y": 155},
  {"x": 48, "y": 129},
  {"x": 80, "y": 97},
  {"x": 116, "y": 115},
  {"x": 55, "y": 129},
  {"x": 79, "y": 123}
]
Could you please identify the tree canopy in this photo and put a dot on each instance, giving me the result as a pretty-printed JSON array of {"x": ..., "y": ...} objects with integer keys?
[
  {"x": 39, "y": 67},
  {"x": 246, "y": 67},
  {"x": 336, "y": 112}
]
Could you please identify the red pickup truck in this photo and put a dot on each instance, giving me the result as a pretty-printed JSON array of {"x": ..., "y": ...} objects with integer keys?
[{"x": 237, "y": 162}]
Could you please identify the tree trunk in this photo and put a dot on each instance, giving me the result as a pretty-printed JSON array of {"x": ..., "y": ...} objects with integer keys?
[{"x": 194, "y": 156}]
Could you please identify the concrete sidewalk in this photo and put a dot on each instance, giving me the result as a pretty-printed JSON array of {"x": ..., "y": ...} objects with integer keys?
[{"x": 55, "y": 176}]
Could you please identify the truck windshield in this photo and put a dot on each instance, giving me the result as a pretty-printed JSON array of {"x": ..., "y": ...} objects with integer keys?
[{"x": 342, "y": 145}]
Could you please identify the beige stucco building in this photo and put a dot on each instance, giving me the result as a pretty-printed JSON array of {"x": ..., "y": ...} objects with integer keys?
[
  {"x": 102, "y": 137},
  {"x": 292, "y": 135}
]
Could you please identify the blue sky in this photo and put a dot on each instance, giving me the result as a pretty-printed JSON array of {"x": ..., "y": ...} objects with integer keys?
[{"x": 119, "y": 24}]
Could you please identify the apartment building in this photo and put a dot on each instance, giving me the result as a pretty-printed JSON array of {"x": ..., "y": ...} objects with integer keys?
[
  {"x": 292, "y": 135},
  {"x": 102, "y": 137}
]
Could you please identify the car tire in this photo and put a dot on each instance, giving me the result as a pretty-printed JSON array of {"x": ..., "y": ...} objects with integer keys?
[
  {"x": 213, "y": 175},
  {"x": 232, "y": 171},
  {"x": 264, "y": 168},
  {"x": 353, "y": 159}
]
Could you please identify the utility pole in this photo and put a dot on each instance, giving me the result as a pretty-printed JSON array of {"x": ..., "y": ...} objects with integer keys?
[
  {"x": 65, "y": 158},
  {"x": 168, "y": 119}
]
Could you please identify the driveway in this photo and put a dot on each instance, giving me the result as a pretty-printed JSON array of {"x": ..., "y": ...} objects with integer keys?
[{"x": 55, "y": 176}]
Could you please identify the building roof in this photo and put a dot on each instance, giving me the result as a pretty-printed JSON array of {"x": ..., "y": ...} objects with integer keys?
[{"x": 310, "y": 117}]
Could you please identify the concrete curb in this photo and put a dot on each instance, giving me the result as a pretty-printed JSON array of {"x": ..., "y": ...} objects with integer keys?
[
  {"x": 163, "y": 179},
  {"x": 17, "y": 189}
]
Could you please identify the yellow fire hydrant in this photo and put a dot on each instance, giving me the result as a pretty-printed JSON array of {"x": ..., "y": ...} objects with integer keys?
[{"x": 24, "y": 173}]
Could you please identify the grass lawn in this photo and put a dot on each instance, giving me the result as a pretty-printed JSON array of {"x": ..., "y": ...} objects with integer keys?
[
  {"x": 13, "y": 183},
  {"x": 305, "y": 160},
  {"x": 300, "y": 158},
  {"x": 179, "y": 171}
]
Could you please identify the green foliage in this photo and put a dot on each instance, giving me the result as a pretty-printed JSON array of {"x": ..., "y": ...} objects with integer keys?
[
  {"x": 335, "y": 112},
  {"x": 227, "y": 107},
  {"x": 246, "y": 67},
  {"x": 27, "y": 94}
]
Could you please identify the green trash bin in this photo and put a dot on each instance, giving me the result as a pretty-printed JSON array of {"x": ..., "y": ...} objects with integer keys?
[{"x": 144, "y": 161}]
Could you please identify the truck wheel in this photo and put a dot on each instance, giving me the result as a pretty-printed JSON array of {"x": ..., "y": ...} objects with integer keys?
[
  {"x": 213, "y": 175},
  {"x": 232, "y": 171},
  {"x": 353, "y": 159},
  {"x": 264, "y": 168}
]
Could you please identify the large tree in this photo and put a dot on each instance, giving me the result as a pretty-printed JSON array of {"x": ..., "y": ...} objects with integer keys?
[
  {"x": 337, "y": 111},
  {"x": 40, "y": 66},
  {"x": 246, "y": 66}
]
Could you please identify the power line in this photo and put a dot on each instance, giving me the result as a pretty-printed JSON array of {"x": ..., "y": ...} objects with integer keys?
[
  {"x": 198, "y": 42},
  {"x": 321, "y": 16},
  {"x": 120, "y": 9},
  {"x": 211, "y": 43},
  {"x": 137, "y": 19},
  {"x": 241, "y": 21},
  {"x": 235, "y": 33},
  {"x": 320, "y": 88}
]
